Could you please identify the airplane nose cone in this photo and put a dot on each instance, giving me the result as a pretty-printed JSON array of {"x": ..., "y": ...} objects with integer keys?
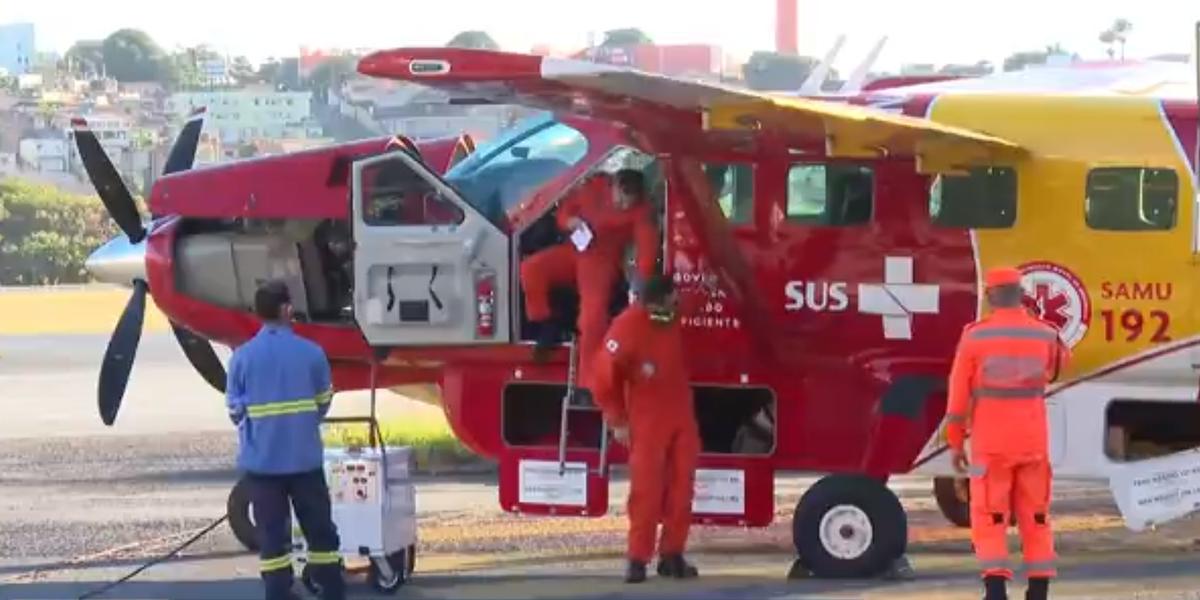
[{"x": 118, "y": 262}]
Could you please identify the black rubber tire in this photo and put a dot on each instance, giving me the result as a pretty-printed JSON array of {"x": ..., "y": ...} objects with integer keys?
[
  {"x": 241, "y": 521},
  {"x": 956, "y": 510},
  {"x": 398, "y": 563},
  {"x": 889, "y": 526}
]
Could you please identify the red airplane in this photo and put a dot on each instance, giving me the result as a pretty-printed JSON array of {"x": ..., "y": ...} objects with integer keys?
[{"x": 821, "y": 300}]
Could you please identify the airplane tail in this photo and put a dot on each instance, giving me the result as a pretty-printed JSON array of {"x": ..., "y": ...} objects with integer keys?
[
  {"x": 812, "y": 85},
  {"x": 855, "y": 82}
]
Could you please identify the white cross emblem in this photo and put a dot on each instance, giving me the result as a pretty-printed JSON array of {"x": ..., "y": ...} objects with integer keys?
[{"x": 898, "y": 298}]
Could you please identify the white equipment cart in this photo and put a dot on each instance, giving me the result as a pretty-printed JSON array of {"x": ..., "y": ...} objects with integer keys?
[{"x": 374, "y": 507}]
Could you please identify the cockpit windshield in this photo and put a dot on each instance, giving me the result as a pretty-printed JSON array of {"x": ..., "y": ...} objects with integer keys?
[{"x": 502, "y": 171}]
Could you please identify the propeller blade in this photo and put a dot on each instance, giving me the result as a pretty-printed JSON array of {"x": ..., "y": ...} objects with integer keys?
[
  {"x": 118, "y": 358},
  {"x": 107, "y": 181},
  {"x": 200, "y": 353},
  {"x": 183, "y": 153}
]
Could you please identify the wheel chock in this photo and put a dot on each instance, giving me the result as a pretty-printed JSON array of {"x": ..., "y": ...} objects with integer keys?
[
  {"x": 799, "y": 571},
  {"x": 901, "y": 570}
]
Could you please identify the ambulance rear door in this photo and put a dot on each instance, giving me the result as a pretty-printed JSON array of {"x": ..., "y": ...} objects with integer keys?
[{"x": 429, "y": 269}]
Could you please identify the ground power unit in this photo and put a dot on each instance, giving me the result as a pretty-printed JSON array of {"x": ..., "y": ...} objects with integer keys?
[{"x": 374, "y": 507}]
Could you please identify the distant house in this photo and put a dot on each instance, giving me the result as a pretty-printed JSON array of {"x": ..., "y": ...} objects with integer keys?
[
  {"x": 252, "y": 113},
  {"x": 44, "y": 150}
]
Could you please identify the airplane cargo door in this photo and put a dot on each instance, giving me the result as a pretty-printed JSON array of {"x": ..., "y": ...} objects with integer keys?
[{"x": 429, "y": 269}]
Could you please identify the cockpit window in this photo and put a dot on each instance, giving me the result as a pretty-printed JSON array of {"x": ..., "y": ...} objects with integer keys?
[{"x": 504, "y": 170}]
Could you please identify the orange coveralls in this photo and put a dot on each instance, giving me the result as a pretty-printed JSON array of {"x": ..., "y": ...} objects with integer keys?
[
  {"x": 596, "y": 269},
  {"x": 997, "y": 387},
  {"x": 641, "y": 383}
]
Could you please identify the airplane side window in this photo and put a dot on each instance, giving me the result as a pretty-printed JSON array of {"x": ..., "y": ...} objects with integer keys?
[
  {"x": 1131, "y": 198},
  {"x": 733, "y": 186},
  {"x": 393, "y": 195},
  {"x": 834, "y": 195},
  {"x": 986, "y": 198}
]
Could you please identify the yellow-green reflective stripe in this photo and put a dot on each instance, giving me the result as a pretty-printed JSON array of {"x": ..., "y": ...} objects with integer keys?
[
  {"x": 287, "y": 410},
  {"x": 324, "y": 397},
  {"x": 324, "y": 558},
  {"x": 275, "y": 564},
  {"x": 281, "y": 408}
]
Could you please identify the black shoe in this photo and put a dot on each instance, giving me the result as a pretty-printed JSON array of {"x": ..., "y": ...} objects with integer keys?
[
  {"x": 635, "y": 572},
  {"x": 675, "y": 566},
  {"x": 1039, "y": 589},
  {"x": 995, "y": 588}
]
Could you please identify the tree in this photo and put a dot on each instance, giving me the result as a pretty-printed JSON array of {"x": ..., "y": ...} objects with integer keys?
[
  {"x": 1116, "y": 33},
  {"x": 85, "y": 56},
  {"x": 186, "y": 66},
  {"x": 130, "y": 55},
  {"x": 776, "y": 71},
  {"x": 331, "y": 73},
  {"x": 473, "y": 39},
  {"x": 242, "y": 71},
  {"x": 629, "y": 36}
]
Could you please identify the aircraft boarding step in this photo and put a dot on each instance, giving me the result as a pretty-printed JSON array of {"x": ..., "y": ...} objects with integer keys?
[{"x": 572, "y": 401}]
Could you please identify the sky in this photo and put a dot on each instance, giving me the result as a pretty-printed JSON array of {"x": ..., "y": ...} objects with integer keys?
[{"x": 920, "y": 31}]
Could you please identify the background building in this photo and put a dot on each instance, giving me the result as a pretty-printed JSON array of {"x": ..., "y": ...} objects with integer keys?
[
  {"x": 252, "y": 113},
  {"x": 17, "y": 51}
]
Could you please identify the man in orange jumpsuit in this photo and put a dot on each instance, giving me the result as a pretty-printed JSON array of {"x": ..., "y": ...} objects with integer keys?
[
  {"x": 615, "y": 212},
  {"x": 997, "y": 388},
  {"x": 641, "y": 384}
]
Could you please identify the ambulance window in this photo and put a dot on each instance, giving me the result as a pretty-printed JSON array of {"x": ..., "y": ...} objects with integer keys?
[
  {"x": 986, "y": 198},
  {"x": 1131, "y": 198},
  {"x": 733, "y": 185},
  {"x": 831, "y": 195},
  {"x": 393, "y": 195}
]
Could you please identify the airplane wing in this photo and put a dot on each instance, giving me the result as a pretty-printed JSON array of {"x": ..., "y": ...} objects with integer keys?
[{"x": 648, "y": 100}]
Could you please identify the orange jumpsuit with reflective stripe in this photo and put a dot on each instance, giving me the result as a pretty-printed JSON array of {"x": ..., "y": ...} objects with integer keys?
[
  {"x": 595, "y": 270},
  {"x": 641, "y": 382},
  {"x": 997, "y": 389}
]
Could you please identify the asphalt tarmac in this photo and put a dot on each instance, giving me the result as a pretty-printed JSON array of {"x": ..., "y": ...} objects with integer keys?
[{"x": 82, "y": 504}]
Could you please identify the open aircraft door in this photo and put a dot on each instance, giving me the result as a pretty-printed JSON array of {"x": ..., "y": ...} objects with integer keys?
[{"x": 429, "y": 269}]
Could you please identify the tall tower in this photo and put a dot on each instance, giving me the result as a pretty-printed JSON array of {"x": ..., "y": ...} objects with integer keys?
[{"x": 786, "y": 20}]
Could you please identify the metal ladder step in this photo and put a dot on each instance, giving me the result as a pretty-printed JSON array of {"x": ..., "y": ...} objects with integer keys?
[{"x": 573, "y": 400}]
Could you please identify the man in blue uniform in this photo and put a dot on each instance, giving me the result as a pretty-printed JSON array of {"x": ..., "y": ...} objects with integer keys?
[{"x": 277, "y": 393}]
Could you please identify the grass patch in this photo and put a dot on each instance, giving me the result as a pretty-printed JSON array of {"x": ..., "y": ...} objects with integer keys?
[
  {"x": 426, "y": 432},
  {"x": 76, "y": 310}
]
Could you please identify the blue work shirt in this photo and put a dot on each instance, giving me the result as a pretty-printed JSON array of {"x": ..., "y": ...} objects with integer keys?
[{"x": 277, "y": 392}]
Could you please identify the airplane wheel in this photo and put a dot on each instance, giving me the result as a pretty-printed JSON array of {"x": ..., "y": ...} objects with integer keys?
[
  {"x": 849, "y": 526},
  {"x": 953, "y": 495},
  {"x": 241, "y": 519}
]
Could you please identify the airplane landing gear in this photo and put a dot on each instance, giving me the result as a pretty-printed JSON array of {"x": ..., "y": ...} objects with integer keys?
[
  {"x": 848, "y": 526},
  {"x": 953, "y": 495}
]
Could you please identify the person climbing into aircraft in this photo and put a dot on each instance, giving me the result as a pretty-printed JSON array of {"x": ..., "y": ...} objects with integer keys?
[
  {"x": 278, "y": 390},
  {"x": 997, "y": 390},
  {"x": 641, "y": 385},
  {"x": 603, "y": 216}
]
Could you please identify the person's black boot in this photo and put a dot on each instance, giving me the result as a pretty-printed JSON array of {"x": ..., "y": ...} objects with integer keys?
[
  {"x": 635, "y": 572},
  {"x": 1039, "y": 589},
  {"x": 674, "y": 565},
  {"x": 995, "y": 588}
]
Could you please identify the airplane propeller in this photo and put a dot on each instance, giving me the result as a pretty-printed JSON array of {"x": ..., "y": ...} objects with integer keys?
[{"x": 122, "y": 347}]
